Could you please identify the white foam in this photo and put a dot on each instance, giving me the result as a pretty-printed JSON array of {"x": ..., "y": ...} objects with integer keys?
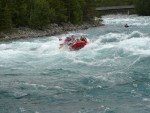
[
  {"x": 146, "y": 99},
  {"x": 137, "y": 45},
  {"x": 123, "y": 19}
]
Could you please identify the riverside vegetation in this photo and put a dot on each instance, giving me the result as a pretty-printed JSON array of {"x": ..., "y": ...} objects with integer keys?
[
  {"x": 39, "y": 13},
  {"x": 43, "y": 17},
  {"x": 48, "y": 17}
]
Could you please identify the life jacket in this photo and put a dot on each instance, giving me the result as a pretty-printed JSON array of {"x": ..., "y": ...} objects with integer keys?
[{"x": 83, "y": 39}]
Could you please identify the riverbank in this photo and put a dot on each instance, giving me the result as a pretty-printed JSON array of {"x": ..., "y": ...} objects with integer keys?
[{"x": 53, "y": 29}]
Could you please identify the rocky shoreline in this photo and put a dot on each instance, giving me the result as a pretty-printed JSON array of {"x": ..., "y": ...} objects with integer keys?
[{"x": 53, "y": 29}]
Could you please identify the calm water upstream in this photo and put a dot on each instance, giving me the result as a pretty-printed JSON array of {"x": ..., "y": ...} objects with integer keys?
[{"x": 110, "y": 75}]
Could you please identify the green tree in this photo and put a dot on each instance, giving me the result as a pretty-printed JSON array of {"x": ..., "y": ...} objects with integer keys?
[
  {"x": 41, "y": 14},
  {"x": 74, "y": 11},
  {"x": 60, "y": 12},
  {"x": 76, "y": 15},
  {"x": 5, "y": 16},
  {"x": 89, "y": 10},
  {"x": 143, "y": 7},
  {"x": 20, "y": 13}
]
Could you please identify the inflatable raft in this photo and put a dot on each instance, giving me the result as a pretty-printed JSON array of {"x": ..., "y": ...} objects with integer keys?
[{"x": 74, "y": 43}]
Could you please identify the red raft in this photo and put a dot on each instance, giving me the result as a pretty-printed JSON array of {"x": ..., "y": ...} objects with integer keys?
[
  {"x": 75, "y": 44},
  {"x": 78, "y": 45}
]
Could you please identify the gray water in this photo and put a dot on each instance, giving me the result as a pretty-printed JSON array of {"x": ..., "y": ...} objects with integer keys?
[{"x": 110, "y": 75}]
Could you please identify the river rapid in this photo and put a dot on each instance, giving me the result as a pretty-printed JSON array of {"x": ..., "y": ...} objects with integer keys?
[{"x": 110, "y": 75}]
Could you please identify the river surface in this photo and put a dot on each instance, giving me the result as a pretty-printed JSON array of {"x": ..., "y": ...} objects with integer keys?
[{"x": 110, "y": 75}]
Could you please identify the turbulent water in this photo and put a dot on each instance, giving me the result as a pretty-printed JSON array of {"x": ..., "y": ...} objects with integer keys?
[{"x": 110, "y": 75}]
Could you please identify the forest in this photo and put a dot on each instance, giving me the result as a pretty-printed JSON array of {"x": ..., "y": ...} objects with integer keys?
[
  {"x": 143, "y": 7},
  {"x": 37, "y": 14}
]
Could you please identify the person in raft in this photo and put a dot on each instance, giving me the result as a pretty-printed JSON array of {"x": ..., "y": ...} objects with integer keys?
[{"x": 82, "y": 38}]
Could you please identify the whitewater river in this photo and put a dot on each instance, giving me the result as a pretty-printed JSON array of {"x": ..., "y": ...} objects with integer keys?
[{"x": 110, "y": 75}]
